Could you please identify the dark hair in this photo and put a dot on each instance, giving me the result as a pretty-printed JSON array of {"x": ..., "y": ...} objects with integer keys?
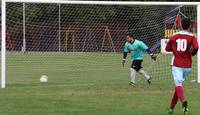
[
  {"x": 185, "y": 23},
  {"x": 130, "y": 34}
]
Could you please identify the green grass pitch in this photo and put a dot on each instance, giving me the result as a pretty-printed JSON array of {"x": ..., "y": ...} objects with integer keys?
[{"x": 89, "y": 84}]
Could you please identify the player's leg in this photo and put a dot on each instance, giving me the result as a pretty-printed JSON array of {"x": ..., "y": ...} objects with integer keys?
[
  {"x": 185, "y": 107},
  {"x": 173, "y": 102},
  {"x": 178, "y": 94},
  {"x": 141, "y": 71},
  {"x": 132, "y": 74},
  {"x": 186, "y": 72},
  {"x": 145, "y": 75},
  {"x": 179, "y": 77},
  {"x": 178, "y": 80}
]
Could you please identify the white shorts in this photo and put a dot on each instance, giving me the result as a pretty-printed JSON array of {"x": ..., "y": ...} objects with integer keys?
[{"x": 180, "y": 74}]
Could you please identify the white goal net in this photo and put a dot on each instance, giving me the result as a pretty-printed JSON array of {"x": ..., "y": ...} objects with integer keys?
[{"x": 84, "y": 42}]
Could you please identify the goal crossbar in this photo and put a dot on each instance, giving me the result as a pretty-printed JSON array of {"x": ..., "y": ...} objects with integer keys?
[{"x": 104, "y": 2}]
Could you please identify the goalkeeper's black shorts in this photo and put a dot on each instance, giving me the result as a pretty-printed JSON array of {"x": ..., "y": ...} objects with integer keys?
[{"x": 136, "y": 64}]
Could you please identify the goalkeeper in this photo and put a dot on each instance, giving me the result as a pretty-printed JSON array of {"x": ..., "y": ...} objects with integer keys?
[{"x": 137, "y": 49}]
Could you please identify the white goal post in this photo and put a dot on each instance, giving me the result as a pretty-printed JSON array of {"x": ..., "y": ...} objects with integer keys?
[{"x": 3, "y": 23}]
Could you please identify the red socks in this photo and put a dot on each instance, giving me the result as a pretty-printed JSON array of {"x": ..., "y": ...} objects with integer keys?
[
  {"x": 178, "y": 94},
  {"x": 174, "y": 100}
]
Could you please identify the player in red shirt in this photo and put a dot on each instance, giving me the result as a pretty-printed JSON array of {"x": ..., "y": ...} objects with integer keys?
[{"x": 184, "y": 45}]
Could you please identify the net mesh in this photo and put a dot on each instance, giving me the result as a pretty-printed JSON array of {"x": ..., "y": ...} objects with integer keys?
[{"x": 84, "y": 43}]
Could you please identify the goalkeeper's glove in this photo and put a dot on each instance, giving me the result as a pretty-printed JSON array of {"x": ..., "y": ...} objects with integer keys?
[
  {"x": 123, "y": 62},
  {"x": 153, "y": 56}
]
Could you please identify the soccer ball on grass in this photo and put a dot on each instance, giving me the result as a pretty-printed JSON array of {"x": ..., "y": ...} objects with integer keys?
[{"x": 44, "y": 79}]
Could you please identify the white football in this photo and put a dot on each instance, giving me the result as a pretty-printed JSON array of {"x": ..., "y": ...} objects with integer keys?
[{"x": 44, "y": 79}]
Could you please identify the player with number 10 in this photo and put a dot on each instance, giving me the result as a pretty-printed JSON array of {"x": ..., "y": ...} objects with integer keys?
[{"x": 184, "y": 45}]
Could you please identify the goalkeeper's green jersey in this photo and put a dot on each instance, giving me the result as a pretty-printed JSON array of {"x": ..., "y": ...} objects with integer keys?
[{"x": 137, "y": 49}]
